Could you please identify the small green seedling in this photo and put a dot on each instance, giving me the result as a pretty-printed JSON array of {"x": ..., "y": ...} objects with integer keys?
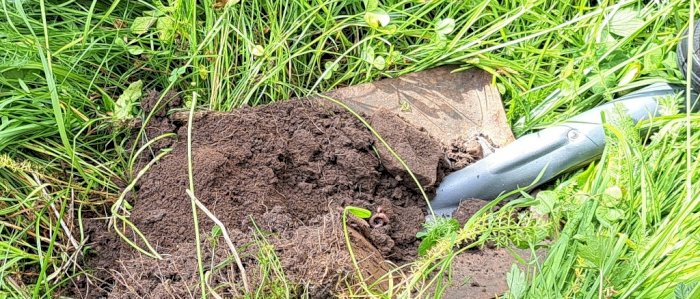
[
  {"x": 436, "y": 229},
  {"x": 359, "y": 212}
]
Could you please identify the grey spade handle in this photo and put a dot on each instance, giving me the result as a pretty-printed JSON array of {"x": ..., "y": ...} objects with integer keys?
[{"x": 550, "y": 152}]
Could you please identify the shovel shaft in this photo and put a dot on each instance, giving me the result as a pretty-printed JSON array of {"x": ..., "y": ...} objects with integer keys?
[{"x": 536, "y": 158}]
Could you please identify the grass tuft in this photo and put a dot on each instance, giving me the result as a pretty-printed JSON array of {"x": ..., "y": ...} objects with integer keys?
[{"x": 64, "y": 65}]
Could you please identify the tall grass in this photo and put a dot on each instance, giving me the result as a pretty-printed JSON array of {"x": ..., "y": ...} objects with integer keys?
[{"x": 64, "y": 64}]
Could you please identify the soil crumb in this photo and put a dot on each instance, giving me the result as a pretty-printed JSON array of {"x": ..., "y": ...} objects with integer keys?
[{"x": 283, "y": 171}]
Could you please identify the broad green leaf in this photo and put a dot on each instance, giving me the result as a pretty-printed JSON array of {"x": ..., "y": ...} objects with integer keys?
[
  {"x": 545, "y": 202},
  {"x": 359, "y": 212},
  {"x": 390, "y": 29},
  {"x": 371, "y": 4},
  {"x": 162, "y": 8},
  {"x": 592, "y": 252},
  {"x": 425, "y": 244},
  {"x": 142, "y": 24},
  {"x": 625, "y": 22},
  {"x": 603, "y": 82},
  {"x": 216, "y": 231},
  {"x": 631, "y": 73},
  {"x": 176, "y": 73},
  {"x": 613, "y": 215},
  {"x": 379, "y": 63},
  {"x": 393, "y": 57},
  {"x": 653, "y": 60},
  {"x": 166, "y": 28},
  {"x": 153, "y": 13},
  {"x": 23, "y": 85},
  {"x": 330, "y": 68},
  {"x": 671, "y": 61},
  {"x": 134, "y": 50},
  {"x": 119, "y": 41},
  {"x": 203, "y": 72},
  {"x": 123, "y": 108},
  {"x": 368, "y": 55},
  {"x": 376, "y": 18},
  {"x": 613, "y": 191},
  {"x": 445, "y": 26},
  {"x": 517, "y": 284},
  {"x": 257, "y": 50}
]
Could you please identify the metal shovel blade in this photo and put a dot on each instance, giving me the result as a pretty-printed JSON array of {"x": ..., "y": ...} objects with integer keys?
[{"x": 448, "y": 105}]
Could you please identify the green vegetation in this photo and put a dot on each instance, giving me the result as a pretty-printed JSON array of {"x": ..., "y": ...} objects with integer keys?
[{"x": 72, "y": 74}]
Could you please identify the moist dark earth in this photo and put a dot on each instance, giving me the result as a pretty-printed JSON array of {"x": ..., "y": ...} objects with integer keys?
[{"x": 281, "y": 173}]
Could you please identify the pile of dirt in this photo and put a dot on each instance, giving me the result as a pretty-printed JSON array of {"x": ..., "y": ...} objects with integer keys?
[{"x": 285, "y": 171}]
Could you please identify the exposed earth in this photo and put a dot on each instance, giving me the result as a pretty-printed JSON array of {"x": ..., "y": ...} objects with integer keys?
[{"x": 281, "y": 173}]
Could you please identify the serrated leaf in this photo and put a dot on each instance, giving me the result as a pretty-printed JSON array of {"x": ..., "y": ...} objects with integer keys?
[
  {"x": 359, "y": 212},
  {"x": 625, "y": 22},
  {"x": 123, "y": 108},
  {"x": 436, "y": 229},
  {"x": 142, "y": 24},
  {"x": 545, "y": 202},
  {"x": 684, "y": 290},
  {"x": 594, "y": 250},
  {"x": 517, "y": 284},
  {"x": 445, "y": 26},
  {"x": 376, "y": 18}
]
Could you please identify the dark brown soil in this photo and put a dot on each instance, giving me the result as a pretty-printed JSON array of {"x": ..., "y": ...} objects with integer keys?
[
  {"x": 481, "y": 274},
  {"x": 278, "y": 178},
  {"x": 467, "y": 208},
  {"x": 414, "y": 145},
  {"x": 288, "y": 169}
]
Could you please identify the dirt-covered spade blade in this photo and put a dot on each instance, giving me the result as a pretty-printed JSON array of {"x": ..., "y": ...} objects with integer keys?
[{"x": 448, "y": 105}]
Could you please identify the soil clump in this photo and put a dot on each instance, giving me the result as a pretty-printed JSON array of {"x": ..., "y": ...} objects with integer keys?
[{"x": 278, "y": 176}]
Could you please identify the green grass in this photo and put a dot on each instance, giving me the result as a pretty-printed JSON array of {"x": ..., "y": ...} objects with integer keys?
[{"x": 64, "y": 137}]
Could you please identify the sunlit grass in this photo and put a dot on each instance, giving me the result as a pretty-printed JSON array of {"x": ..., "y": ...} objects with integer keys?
[{"x": 63, "y": 65}]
